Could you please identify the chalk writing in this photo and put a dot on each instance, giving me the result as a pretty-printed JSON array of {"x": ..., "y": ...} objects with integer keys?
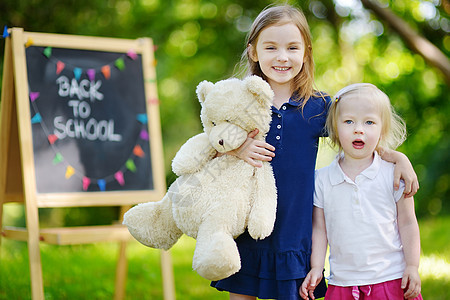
[
  {"x": 84, "y": 89},
  {"x": 80, "y": 127}
]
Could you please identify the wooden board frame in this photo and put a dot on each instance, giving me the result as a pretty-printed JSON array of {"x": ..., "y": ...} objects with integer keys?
[
  {"x": 142, "y": 46},
  {"x": 17, "y": 168}
]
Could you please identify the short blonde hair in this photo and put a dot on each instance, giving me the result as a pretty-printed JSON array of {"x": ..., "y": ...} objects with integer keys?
[
  {"x": 393, "y": 128},
  {"x": 279, "y": 15}
]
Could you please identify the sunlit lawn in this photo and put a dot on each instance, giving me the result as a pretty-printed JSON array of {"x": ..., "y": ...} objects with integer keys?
[{"x": 87, "y": 271}]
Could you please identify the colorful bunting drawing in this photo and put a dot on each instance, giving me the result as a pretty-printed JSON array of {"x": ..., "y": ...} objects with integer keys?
[
  {"x": 52, "y": 139},
  {"x": 120, "y": 64},
  {"x": 91, "y": 74},
  {"x": 5, "y": 32},
  {"x": 77, "y": 72},
  {"x": 137, "y": 150},
  {"x": 142, "y": 118},
  {"x": 119, "y": 177},
  {"x": 58, "y": 158},
  {"x": 144, "y": 135},
  {"x": 59, "y": 67},
  {"x": 130, "y": 165},
  {"x": 29, "y": 42},
  {"x": 48, "y": 52},
  {"x": 36, "y": 119},
  {"x": 153, "y": 101},
  {"x": 34, "y": 96},
  {"x": 86, "y": 183},
  {"x": 101, "y": 184},
  {"x": 70, "y": 171},
  {"x": 106, "y": 71},
  {"x": 132, "y": 54}
]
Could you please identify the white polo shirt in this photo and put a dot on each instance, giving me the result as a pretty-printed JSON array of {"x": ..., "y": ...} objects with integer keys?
[{"x": 361, "y": 222}]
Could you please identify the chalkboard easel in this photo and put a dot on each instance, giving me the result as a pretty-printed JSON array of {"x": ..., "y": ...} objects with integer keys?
[{"x": 79, "y": 127}]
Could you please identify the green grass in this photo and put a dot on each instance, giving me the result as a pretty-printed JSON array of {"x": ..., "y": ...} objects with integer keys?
[
  {"x": 435, "y": 260},
  {"x": 87, "y": 271}
]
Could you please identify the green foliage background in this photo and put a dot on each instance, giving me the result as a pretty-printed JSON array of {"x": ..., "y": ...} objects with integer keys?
[{"x": 200, "y": 39}]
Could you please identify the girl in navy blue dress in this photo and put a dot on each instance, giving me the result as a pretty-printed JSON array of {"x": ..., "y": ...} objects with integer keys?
[{"x": 279, "y": 50}]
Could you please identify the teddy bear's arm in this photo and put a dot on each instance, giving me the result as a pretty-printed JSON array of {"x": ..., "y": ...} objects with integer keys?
[
  {"x": 262, "y": 215},
  {"x": 193, "y": 155}
]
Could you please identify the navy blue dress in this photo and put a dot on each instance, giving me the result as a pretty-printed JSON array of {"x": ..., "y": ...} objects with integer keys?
[{"x": 274, "y": 268}]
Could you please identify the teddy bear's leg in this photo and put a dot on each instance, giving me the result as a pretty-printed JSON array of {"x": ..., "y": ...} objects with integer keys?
[
  {"x": 263, "y": 211},
  {"x": 216, "y": 255},
  {"x": 152, "y": 224}
]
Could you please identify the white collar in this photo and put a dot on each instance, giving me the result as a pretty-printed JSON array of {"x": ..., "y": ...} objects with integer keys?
[{"x": 338, "y": 176}]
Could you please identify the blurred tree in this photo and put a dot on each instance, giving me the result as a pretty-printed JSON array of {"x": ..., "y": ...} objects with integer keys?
[
  {"x": 422, "y": 46},
  {"x": 203, "y": 39}
]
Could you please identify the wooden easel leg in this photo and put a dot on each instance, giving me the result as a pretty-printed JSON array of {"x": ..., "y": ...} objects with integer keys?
[
  {"x": 7, "y": 98},
  {"x": 34, "y": 251},
  {"x": 37, "y": 283},
  {"x": 167, "y": 276},
  {"x": 121, "y": 272}
]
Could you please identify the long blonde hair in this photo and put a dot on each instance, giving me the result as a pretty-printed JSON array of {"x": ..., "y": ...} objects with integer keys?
[
  {"x": 393, "y": 128},
  {"x": 278, "y": 15}
]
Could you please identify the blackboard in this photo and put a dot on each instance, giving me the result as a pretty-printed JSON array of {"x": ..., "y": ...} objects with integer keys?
[
  {"x": 87, "y": 128},
  {"x": 89, "y": 120}
]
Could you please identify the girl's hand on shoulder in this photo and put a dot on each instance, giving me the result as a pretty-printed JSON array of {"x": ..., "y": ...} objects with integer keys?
[
  {"x": 310, "y": 283},
  {"x": 403, "y": 170},
  {"x": 411, "y": 282},
  {"x": 253, "y": 151}
]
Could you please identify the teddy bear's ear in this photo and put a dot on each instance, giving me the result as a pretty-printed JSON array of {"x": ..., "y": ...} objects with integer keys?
[
  {"x": 259, "y": 87},
  {"x": 203, "y": 89}
]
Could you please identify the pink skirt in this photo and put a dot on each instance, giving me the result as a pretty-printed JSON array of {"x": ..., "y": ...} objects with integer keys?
[{"x": 389, "y": 290}]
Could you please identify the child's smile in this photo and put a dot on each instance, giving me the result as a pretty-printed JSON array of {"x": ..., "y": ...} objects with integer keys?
[
  {"x": 279, "y": 51},
  {"x": 281, "y": 69}
]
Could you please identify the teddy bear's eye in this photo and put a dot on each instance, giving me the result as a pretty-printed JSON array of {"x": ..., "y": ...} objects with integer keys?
[
  {"x": 214, "y": 124},
  {"x": 227, "y": 121}
]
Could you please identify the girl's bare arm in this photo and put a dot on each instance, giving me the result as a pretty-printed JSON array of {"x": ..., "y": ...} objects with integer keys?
[
  {"x": 409, "y": 234},
  {"x": 319, "y": 250}
]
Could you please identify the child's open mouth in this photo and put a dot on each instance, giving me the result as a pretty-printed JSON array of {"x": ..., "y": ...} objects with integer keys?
[{"x": 358, "y": 144}]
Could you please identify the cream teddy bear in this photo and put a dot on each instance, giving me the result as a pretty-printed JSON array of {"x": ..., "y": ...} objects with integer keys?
[{"x": 216, "y": 197}]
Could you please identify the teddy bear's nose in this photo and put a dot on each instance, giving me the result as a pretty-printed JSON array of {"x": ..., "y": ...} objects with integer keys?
[{"x": 221, "y": 142}]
